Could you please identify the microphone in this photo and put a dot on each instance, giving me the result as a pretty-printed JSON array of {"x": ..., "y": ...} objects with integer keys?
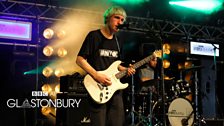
[{"x": 121, "y": 26}]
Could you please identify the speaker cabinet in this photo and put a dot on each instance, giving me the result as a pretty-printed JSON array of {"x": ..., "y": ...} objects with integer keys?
[
  {"x": 73, "y": 116},
  {"x": 208, "y": 90},
  {"x": 212, "y": 122}
]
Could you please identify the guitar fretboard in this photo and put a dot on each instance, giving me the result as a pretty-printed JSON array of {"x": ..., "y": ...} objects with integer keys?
[{"x": 135, "y": 66}]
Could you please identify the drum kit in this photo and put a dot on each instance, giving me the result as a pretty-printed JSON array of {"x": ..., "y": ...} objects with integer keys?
[{"x": 180, "y": 109}]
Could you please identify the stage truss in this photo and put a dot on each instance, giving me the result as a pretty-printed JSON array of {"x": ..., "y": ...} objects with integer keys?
[{"x": 52, "y": 13}]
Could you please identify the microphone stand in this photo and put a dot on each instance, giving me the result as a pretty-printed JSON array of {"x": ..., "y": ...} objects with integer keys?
[
  {"x": 159, "y": 36},
  {"x": 215, "y": 67},
  {"x": 162, "y": 80}
]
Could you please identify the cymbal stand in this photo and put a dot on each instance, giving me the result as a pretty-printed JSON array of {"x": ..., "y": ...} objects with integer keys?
[
  {"x": 162, "y": 79},
  {"x": 150, "y": 108},
  {"x": 132, "y": 101},
  {"x": 196, "y": 99},
  {"x": 198, "y": 117}
]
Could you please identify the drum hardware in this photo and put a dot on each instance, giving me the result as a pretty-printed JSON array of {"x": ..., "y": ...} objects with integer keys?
[
  {"x": 146, "y": 99},
  {"x": 132, "y": 101},
  {"x": 182, "y": 88},
  {"x": 187, "y": 91},
  {"x": 143, "y": 112},
  {"x": 150, "y": 109},
  {"x": 198, "y": 117},
  {"x": 170, "y": 90}
]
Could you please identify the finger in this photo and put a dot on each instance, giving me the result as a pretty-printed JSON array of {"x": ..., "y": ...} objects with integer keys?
[
  {"x": 130, "y": 65},
  {"x": 108, "y": 79},
  {"x": 108, "y": 82}
]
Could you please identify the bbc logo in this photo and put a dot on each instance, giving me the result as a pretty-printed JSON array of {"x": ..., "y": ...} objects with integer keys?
[{"x": 39, "y": 93}]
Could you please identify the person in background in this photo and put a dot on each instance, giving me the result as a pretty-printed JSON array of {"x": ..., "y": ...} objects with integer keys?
[
  {"x": 148, "y": 75},
  {"x": 99, "y": 50}
]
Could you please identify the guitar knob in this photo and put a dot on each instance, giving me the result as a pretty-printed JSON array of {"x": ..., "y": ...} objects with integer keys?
[
  {"x": 106, "y": 97},
  {"x": 106, "y": 88},
  {"x": 107, "y": 93}
]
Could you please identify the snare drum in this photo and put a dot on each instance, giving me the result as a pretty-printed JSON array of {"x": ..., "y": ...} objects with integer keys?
[{"x": 180, "y": 113}]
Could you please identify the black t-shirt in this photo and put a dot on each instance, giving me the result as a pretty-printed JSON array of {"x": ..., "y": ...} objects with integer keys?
[{"x": 99, "y": 51}]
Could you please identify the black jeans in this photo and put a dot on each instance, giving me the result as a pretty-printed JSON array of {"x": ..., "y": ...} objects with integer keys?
[{"x": 108, "y": 114}]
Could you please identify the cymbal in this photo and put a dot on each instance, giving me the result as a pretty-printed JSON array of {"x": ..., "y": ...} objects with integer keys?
[
  {"x": 150, "y": 82},
  {"x": 191, "y": 59},
  {"x": 191, "y": 68},
  {"x": 181, "y": 81},
  {"x": 155, "y": 81},
  {"x": 166, "y": 78}
]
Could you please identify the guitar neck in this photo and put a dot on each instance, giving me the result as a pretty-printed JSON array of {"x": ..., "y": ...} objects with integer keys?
[
  {"x": 142, "y": 62},
  {"x": 135, "y": 66}
]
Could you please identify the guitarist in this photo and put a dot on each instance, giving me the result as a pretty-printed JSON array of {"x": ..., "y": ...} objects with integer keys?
[{"x": 99, "y": 50}]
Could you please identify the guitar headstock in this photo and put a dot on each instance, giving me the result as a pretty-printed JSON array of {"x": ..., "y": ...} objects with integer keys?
[{"x": 157, "y": 53}]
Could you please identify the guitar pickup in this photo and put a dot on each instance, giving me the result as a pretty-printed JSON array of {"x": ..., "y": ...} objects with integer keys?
[{"x": 101, "y": 96}]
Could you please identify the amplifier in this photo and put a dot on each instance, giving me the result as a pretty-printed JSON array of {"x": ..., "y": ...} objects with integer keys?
[
  {"x": 214, "y": 122},
  {"x": 73, "y": 116},
  {"x": 72, "y": 83}
]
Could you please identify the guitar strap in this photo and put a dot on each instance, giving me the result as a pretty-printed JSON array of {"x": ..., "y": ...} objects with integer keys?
[{"x": 119, "y": 50}]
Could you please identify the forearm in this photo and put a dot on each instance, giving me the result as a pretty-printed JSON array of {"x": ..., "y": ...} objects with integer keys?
[
  {"x": 85, "y": 66},
  {"x": 99, "y": 77},
  {"x": 122, "y": 68}
]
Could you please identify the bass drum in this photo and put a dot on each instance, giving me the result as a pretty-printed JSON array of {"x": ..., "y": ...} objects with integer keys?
[{"x": 180, "y": 113}]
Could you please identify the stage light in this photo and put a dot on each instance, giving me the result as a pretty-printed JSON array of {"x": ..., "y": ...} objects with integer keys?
[
  {"x": 187, "y": 64},
  {"x": 59, "y": 72},
  {"x": 166, "y": 48},
  {"x": 46, "y": 88},
  {"x": 133, "y": 2},
  {"x": 180, "y": 66},
  {"x": 205, "y": 6},
  {"x": 46, "y": 111},
  {"x": 62, "y": 52},
  {"x": 47, "y": 71},
  {"x": 166, "y": 64},
  {"x": 61, "y": 34},
  {"x": 48, "y": 50},
  {"x": 57, "y": 88},
  {"x": 48, "y": 33},
  {"x": 17, "y": 30},
  {"x": 180, "y": 49}
]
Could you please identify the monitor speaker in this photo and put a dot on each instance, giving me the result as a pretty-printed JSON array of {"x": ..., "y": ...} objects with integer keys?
[{"x": 213, "y": 122}]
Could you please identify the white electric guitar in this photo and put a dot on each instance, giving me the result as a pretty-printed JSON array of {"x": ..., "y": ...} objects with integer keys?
[{"x": 101, "y": 93}]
